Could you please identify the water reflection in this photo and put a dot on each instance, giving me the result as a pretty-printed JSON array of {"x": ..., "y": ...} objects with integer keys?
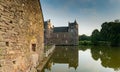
[
  {"x": 84, "y": 59},
  {"x": 64, "y": 55},
  {"x": 109, "y": 56}
]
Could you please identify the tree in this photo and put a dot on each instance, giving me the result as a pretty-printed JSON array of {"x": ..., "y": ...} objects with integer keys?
[
  {"x": 84, "y": 38},
  {"x": 95, "y": 37},
  {"x": 111, "y": 32}
]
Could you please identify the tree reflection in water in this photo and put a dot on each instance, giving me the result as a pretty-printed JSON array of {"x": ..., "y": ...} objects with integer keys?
[{"x": 109, "y": 56}]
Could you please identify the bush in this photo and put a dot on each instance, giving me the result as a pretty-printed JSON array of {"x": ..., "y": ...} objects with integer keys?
[{"x": 85, "y": 43}]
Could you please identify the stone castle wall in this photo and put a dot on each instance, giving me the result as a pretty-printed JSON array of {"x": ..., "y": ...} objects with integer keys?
[
  {"x": 62, "y": 38},
  {"x": 63, "y": 35},
  {"x": 48, "y": 30},
  {"x": 21, "y": 35}
]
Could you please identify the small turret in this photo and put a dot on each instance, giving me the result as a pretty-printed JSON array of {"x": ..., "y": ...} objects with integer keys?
[
  {"x": 73, "y": 25},
  {"x": 73, "y": 30},
  {"x": 75, "y": 22}
]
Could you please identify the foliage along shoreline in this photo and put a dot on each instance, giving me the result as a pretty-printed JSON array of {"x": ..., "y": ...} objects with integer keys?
[{"x": 108, "y": 35}]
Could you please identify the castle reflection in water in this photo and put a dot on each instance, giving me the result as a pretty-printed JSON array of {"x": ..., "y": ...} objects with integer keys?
[
  {"x": 64, "y": 55},
  {"x": 105, "y": 58}
]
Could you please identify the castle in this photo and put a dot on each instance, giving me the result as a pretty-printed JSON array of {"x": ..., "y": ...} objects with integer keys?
[
  {"x": 21, "y": 35},
  {"x": 61, "y": 35}
]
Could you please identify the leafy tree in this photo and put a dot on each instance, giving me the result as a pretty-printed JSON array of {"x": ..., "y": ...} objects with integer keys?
[
  {"x": 84, "y": 38},
  {"x": 95, "y": 37},
  {"x": 111, "y": 32}
]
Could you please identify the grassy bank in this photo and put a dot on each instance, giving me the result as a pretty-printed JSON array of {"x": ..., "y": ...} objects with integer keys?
[
  {"x": 101, "y": 43},
  {"x": 85, "y": 43}
]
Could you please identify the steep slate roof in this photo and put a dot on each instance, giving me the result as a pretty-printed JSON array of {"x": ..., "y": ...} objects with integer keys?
[
  {"x": 74, "y": 23},
  {"x": 45, "y": 24},
  {"x": 60, "y": 29}
]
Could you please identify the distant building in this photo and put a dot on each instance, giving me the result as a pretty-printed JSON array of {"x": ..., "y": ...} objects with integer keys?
[
  {"x": 62, "y": 35},
  {"x": 48, "y": 30},
  {"x": 117, "y": 21}
]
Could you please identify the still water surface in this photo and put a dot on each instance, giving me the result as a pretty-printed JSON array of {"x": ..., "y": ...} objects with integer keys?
[{"x": 84, "y": 59}]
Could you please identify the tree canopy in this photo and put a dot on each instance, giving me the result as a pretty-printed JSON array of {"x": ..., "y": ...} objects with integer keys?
[
  {"x": 95, "y": 37},
  {"x": 111, "y": 32},
  {"x": 84, "y": 38}
]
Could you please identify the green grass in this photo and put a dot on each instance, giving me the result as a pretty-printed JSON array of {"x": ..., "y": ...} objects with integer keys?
[
  {"x": 100, "y": 43},
  {"x": 85, "y": 43}
]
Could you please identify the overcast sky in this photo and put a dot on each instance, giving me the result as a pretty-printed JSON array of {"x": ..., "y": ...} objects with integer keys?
[{"x": 90, "y": 14}]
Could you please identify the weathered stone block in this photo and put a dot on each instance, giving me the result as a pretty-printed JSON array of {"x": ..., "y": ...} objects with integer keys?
[{"x": 21, "y": 34}]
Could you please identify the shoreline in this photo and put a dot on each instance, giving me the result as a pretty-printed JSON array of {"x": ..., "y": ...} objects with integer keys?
[{"x": 45, "y": 60}]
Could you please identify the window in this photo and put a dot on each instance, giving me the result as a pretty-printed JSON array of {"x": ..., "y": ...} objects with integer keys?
[
  {"x": 34, "y": 47},
  {"x": 57, "y": 35},
  {"x": 64, "y": 36},
  {"x": 71, "y": 30},
  {"x": 14, "y": 62},
  {"x": 0, "y": 65},
  {"x": 66, "y": 41},
  {"x": 7, "y": 43},
  {"x": 11, "y": 22}
]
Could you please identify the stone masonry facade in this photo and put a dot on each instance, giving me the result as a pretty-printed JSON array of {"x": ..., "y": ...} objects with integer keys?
[
  {"x": 21, "y": 35},
  {"x": 61, "y": 35},
  {"x": 48, "y": 31}
]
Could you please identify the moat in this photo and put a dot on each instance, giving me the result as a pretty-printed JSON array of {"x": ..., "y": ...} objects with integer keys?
[{"x": 84, "y": 59}]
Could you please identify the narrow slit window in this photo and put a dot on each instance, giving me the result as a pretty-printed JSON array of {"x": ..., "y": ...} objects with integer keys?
[
  {"x": 34, "y": 47},
  {"x": 7, "y": 43},
  {"x": 11, "y": 22},
  {"x": 14, "y": 62},
  {"x": 57, "y": 35}
]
